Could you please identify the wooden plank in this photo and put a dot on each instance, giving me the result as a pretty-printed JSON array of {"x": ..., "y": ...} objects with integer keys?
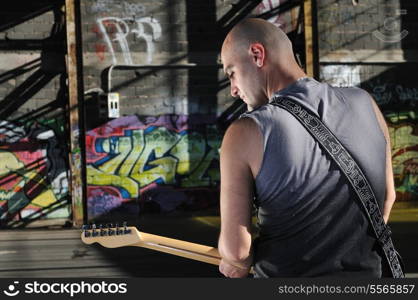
[
  {"x": 370, "y": 56},
  {"x": 61, "y": 253},
  {"x": 91, "y": 259},
  {"x": 75, "y": 159},
  {"x": 57, "y": 264},
  {"x": 57, "y": 223},
  {"x": 309, "y": 58},
  {"x": 13, "y": 235},
  {"x": 68, "y": 273}
]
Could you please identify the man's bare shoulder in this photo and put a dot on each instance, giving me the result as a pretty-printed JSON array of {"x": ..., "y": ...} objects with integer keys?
[
  {"x": 243, "y": 142},
  {"x": 241, "y": 130},
  {"x": 380, "y": 119}
]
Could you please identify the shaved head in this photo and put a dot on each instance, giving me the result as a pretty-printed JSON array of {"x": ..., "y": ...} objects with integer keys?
[
  {"x": 253, "y": 30},
  {"x": 258, "y": 60}
]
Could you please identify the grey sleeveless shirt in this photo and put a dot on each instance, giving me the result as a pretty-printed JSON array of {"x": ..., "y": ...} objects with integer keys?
[{"x": 310, "y": 220}]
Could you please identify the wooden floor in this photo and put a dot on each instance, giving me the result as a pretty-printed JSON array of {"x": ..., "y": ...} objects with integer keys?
[
  {"x": 60, "y": 252},
  {"x": 50, "y": 253}
]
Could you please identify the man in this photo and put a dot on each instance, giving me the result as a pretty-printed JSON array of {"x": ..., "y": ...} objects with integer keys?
[{"x": 309, "y": 218}]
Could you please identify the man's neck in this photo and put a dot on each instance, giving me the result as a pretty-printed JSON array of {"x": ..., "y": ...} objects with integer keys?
[{"x": 282, "y": 81}]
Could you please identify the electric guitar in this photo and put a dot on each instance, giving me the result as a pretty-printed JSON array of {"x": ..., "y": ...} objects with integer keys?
[{"x": 114, "y": 237}]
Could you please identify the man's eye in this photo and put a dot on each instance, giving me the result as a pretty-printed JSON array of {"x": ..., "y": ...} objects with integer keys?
[{"x": 231, "y": 75}]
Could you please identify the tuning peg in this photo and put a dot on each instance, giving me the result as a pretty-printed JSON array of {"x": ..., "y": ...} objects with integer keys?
[
  {"x": 119, "y": 231},
  {"x": 110, "y": 230},
  {"x": 103, "y": 232},
  {"x": 94, "y": 231},
  {"x": 125, "y": 228},
  {"x": 85, "y": 229}
]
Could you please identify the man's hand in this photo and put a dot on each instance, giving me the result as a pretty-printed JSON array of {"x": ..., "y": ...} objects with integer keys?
[{"x": 232, "y": 271}]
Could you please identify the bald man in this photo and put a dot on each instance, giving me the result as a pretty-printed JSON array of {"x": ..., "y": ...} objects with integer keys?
[{"x": 310, "y": 221}]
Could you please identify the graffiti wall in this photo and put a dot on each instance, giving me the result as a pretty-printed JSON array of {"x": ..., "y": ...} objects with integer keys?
[
  {"x": 122, "y": 27},
  {"x": 392, "y": 93},
  {"x": 129, "y": 156},
  {"x": 403, "y": 130},
  {"x": 33, "y": 172},
  {"x": 396, "y": 94},
  {"x": 368, "y": 58}
]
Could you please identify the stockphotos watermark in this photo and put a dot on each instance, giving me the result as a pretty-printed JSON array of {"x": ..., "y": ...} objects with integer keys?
[
  {"x": 391, "y": 31},
  {"x": 71, "y": 289}
]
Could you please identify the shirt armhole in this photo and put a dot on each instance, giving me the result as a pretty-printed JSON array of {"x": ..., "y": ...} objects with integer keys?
[{"x": 262, "y": 129}]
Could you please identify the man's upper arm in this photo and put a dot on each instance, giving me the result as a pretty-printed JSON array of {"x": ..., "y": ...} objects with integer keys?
[
  {"x": 390, "y": 185},
  {"x": 240, "y": 144}
]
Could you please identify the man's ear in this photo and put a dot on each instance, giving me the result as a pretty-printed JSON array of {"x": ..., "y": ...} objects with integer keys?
[{"x": 258, "y": 54}]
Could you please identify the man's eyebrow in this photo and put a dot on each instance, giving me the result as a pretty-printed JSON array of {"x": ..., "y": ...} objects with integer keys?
[{"x": 226, "y": 70}]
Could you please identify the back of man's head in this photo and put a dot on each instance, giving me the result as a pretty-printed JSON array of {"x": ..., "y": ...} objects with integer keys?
[{"x": 252, "y": 30}]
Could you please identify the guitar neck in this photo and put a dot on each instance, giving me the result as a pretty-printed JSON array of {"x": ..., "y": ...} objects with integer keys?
[
  {"x": 180, "y": 248},
  {"x": 129, "y": 236}
]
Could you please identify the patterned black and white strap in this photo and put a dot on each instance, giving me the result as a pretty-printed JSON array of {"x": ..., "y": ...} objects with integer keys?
[{"x": 354, "y": 174}]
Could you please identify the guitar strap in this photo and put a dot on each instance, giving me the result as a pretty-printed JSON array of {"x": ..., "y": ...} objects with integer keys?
[{"x": 354, "y": 174}]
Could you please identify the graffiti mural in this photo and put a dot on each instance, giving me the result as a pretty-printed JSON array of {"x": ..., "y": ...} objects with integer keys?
[
  {"x": 387, "y": 93},
  {"x": 120, "y": 33},
  {"x": 115, "y": 32},
  {"x": 132, "y": 154},
  {"x": 403, "y": 130},
  {"x": 33, "y": 172}
]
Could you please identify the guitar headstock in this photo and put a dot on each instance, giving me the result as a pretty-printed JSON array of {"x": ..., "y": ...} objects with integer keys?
[{"x": 110, "y": 236}]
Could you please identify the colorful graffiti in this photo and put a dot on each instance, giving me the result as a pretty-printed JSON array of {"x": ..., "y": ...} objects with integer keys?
[
  {"x": 132, "y": 154},
  {"x": 403, "y": 131},
  {"x": 33, "y": 172}
]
